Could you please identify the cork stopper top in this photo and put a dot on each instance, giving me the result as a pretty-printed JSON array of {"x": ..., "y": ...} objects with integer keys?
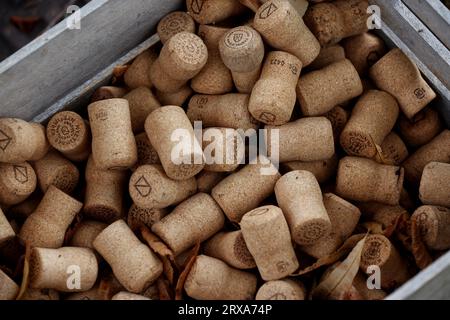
[
  {"x": 19, "y": 178},
  {"x": 66, "y": 130},
  {"x": 262, "y": 215},
  {"x": 173, "y": 23},
  {"x": 376, "y": 251},
  {"x": 272, "y": 14}
]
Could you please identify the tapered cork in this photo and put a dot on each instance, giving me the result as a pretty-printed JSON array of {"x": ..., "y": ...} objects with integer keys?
[
  {"x": 372, "y": 119},
  {"x": 434, "y": 226},
  {"x": 245, "y": 189},
  {"x": 86, "y": 232},
  {"x": 242, "y": 51},
  {"x": 17, "y": 182},
  {"x": 230, "y": 247},
  {"x": 212, "y": 11},
  {"x": 323, "y": 170},
  {"x": 133, "y": 263},
  {"x": 422, "y": 129},
  {"x": 267, "y": 236},
  {"x": 21, "y": 141},
  {"x": 379, "y": 251},
  {"x": 6, "y": 231},
  {"x": 381, "y": 213},
  {"x": 108, "y": 92},
  {"x": 307, "y": 139},
  {"x": 393, "y": 150},
  {"x": 177, "y": 98},
  {"x": 283, "y": 28},
  {"x": 47, "y": 225},
  {"x": 194, "y": 220},
  {"x": 212, "y": 279},
  {"x": 365, "y": 180},
  {"x": 327, "y": 56},
  {"x": 284, "y": 289},
  {"x": 173, "y": 23},
  {"x": 320, "y": 91},
  {"x": 227, "y": 111},
  {"x": 69, "y": 133},
  {"x": 338, "y": 117},
  {"x": 123, "y": 295},
  {"x": 436, "y": 150},
  {"x": 364, "y": 51},
  {"x": 67, "y": 269},
  {"x": 344, "y": 217},
  {"x": 435, "y": 184},
  {"x": 145, "y": 151},
  {"x": 140, "y": 216},
  {"x": 113, "y": 144},
  {"x": 104, "y": 193},
  {"x": 397, "y": 74},
  {"x": 162, "y": 80},
  {"x": 163, "y": 126},
  {"x": 332, "y": 22},
  {"x": 150, "y": 187},
  {"x": 54, "y": 169},
  {"x": 207, "y": 180},
  {"x": 138, "y": 74},
  {"x": 142, "y": 102},
  {"x": 273, "y": 96},
  {"x": 9, "y": 289}
]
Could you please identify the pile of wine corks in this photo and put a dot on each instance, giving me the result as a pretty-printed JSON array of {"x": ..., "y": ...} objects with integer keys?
[{"x": 126, "y": 201}]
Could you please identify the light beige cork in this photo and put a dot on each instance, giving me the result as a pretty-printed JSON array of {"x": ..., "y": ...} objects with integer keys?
[
  {"x": 372, "y": 119},
  {"x": 133, "y": 263},
  {"x": 285, "y": 289},
  {"x": 283, "y": 28},
  {"x": 106, "y": 286},
  {"x": 6, "y": 231},
  {"x": 145, "y": 151},
  {"x": 224, "y": 149},
  {"x": 142, "y": 102},
  {"x": 207, "y": 180},
  {"x": 177, "y": 98},
  {"x": 108, "y": 92},
  {"x": 138, "y": 74},
  {"x": 17, "y": 182},
  {"x": 67, "y": 269},
  {"x": 230, "y": 247},
  {"x": 173, "y": 23},
  {"x": 194, "y": 220},
  {"x": 86, "y": 232},
  {"x": 9, "y": 289},
  {"x": 365, "y": 180},
  {"x": 381, "y": 213},
  {"x": 69, "y": 133},
  {"x": 397, "y": 74},
  {"x": 163, "y": 82},
  {"x": 323, "y": 170},
  {"x": 434, "y": 226},
  {"x": 113, "y": 144},
  {"x": 364, "y": 51},
  {"x": 393, "y": 150},
  {"x": 320, "y": 91},
  {"x": 338, "y": 117},
  {"x": 212, "y": 279},
  {"x": 140, "y": 216},
  {"x": 123, "y": 295},
  {"x": 327, "y": 56},
  {"x": 212, "y": 11},
  {"x": 46, "y": 227},
  {"x": 422, "y": 129},
  {"x": 164, "y": 123},
  {"x": 267, "y": 236},
  {"x": 435, "y": 184}
]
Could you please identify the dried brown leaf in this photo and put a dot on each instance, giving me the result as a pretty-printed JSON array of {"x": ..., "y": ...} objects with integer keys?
[
  {"x": 156, "y": 244},
  {"x": 373, "y": 227},
  {"x": 419, "y": 250},
  {"x": 164, "y": 289},
  {"x": 119, "y": 71},
  {"x": 184, "y": 274},
  {"x": 26, "y": 272}
]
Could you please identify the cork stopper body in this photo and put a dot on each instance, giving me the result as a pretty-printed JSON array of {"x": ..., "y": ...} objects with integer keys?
[
  {"x": 138, "y": 216},
  {"x": 194, "y": 220},
  {"x": 393, "y": 150},
  {"x": 8, "y": 288},
  {"x": 207, "y": 180},
  {"x": 107, "y": 92},
  {"x": 223, "y": 149},
  {"x": 422, "y": 129},
  {"x": 435, "y": 184},
  {"x": 6, "y": 231},
  {"x": 338, "y": 117},
  {"x": 162, "y": 80},
  {"x": 397, "y": 74},
  {"x": 113, "y": 144},
  {"x": 17, "y": 182},
  {"x": 173, "y": 23},
  {"x": 323, "y": 170},
  {"x": 86, "y": 232},
  {"x": 145, "y": 151},
  {"x": 212, "y": 11},
  {"x": 433, "y": 223},
  {"x": 138, "y": 74},
  {"x": 141, "y": 102},
  {"x": 123, "y": 295},
  {"x": 133, "y": 263},
  {"x": 285, "y": 289},
  {"x": 267, "y": 236},
  {"x": 327, "y": 56},
  {"x": 212, "y": 279},
  {"x": 177, "y": 98},
  {"x": 364, "y": 51}
]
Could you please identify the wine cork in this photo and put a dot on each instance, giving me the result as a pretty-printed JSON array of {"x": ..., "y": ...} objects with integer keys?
[
  {"x": 123, "y": 295},
  {"x": 307, "y": 139},
  {"x": 40, "y": 295},
  {"x": 133, "y": 263},
  {"x": 381, "y": 213},
  {"x": 6, "y": 231},
  {"x": 173, "y": 23},
  {"x": 108, "y": 92},
  {"x": 230, "y": 247},
  {"x": 146, "y": 154},
  {"x": 54, "y": 169},
  {"x": 140, "y": 216},
  {"x": 113, "y": 144},
  {"x": 142, "y": 102},
  {"x": 435, "y": 184},
  {"x": 284, "y": 289},
  {"x": 21, "y": 141},
  {"x": 365, "y": 180},
  {"x": 393, "y": 150},
  {"x": 17, "y": 182},
  {"x": 327, "y": 56},
  {"x": 372, "y": 119},
  {"x": 86, "y": 232},
  {"x": 106, "y": 287},
  {"x": 433, "y": 223},
  {"x": 379, "y": 251},
  {"x": 338, "y": 117},
  {"x": 299, "y": 196},
  {"x": 320, "y": 91},
  {"x": 161, "y": 125},
  {"x": 283, "y": 28},
  {"x": 207, "y": 180},
  {"x": 273, "y": 96},
  {"x": 9, "y": 289},
  {"x": 323, "y": 170},
  {"x": 397, "y": 74},
  {"x": 224, "y": 149},
  {"x": 212, "y": 11},
  {"x": 194, "y": 220},
  {"x": 138, "y": 74},
  {"x": 67, "y": 269},
  {"x": 267, "y": 236},
  {"x": 344, "y": 217},
  {"x": 436, "y": 150},
  {"x": 226, "y": 111},
  {"x": 424, "y": 126},
  {"x": 332, "y": 22},
  {"x": 364, "y": 51},
  {"x": 176, "y": 98},
  {"x": 104, "y": 193},
  {"x": 212, "y": 279},
  {"x": 242, "y": 51},
  {"x": 46, "y": 227},
  {"x": 245, "y": 189},
  {"x": 181, "y": 59},
  {"x": 150, "y": 187}
]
